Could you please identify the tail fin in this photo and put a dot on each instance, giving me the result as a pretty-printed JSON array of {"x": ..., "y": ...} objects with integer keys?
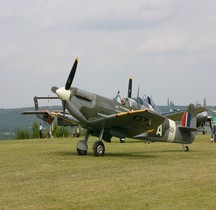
[
  {"x": 189, "y": 120},
  {"x": 36, "y": 103}
]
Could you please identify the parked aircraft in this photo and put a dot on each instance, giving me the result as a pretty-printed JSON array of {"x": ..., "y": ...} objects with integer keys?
[
  {"x": 105, "y": 118},
  {"x": 202, "y": 117},
  {"x": 42, "y": 114},
  {"x": 45, "y": 114},
  {"x": 145, "y": 101}
]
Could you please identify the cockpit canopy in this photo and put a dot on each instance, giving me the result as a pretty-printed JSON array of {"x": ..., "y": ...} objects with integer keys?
[{"x": 138, "y": 103}]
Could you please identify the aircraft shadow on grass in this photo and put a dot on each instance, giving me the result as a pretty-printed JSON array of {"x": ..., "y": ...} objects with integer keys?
[{"x": 133, "y": 154}]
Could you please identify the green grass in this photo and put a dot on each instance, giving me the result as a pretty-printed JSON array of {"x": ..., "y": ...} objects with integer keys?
[{"x": 48, "y": 174}]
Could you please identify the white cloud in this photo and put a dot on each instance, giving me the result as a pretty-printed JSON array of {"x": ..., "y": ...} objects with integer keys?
[
  {"x": 113, "y": 39},
  {"x": 163, "y": 44}
]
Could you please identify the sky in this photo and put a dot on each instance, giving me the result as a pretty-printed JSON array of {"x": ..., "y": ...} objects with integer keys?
[{"x": 167, "y": 46}]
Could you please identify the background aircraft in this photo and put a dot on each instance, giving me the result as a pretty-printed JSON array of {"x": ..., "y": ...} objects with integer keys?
[
  {"x": 105, "y": 118},
  {"x": 145, "y": 101},
  {"x": 202, "y": 117},
  {"x": 42, "y": 114},
  {"x": 45, "y": 114}
]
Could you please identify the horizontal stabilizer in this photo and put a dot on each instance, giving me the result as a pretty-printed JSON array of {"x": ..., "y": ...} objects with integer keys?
[{"x": 188, "y": 129}]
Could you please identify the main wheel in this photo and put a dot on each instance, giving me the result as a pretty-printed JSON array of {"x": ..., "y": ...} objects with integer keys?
[
  {"x": 82, "y": 148},
  {"x": 99, "y": 148},
  {"x": 81, "y": 152}
]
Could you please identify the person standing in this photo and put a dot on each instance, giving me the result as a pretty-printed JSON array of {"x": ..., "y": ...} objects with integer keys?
[
  {"x": 41, "y": 130},
  {"x": 49, "y": 134},
  {"x": 213, "y": 119}
]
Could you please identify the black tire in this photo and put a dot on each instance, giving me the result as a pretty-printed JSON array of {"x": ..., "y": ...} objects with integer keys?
[
  {"x": 122, "y": 140},
  {"x": 81, "y": 152},
  {"x": 99, "y": 148},
  {"x": 186, "y": 148}
]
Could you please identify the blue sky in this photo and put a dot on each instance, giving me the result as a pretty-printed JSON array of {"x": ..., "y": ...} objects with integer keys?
[{"x": 167, "y": 46}]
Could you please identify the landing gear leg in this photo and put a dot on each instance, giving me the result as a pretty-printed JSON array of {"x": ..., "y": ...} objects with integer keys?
[
  {"x": 98, "y": 146},
  {"x": 185, "y": 148},
  {"x": 82, "y": 146}
]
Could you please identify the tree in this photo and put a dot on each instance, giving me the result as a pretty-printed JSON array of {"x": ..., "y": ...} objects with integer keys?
[
  {"x": 60, "y": 131},
  {"x": 35, "y": 130},
  {"x": 23, "y": 134}
]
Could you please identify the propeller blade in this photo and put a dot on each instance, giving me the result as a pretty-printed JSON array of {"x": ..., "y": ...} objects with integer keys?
[
  {"x": 54, "y": 88},
  {"x": 138, "y": 92},
  {"x": 204, "y": 102},
  {"x": 130, "y": 87},
  {"x": 71, "y": 75}
]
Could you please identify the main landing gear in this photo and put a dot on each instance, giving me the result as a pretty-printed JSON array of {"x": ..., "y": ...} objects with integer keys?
[
  {"x": 82, "y": 146},
  {"x": 98, "y": 146}
]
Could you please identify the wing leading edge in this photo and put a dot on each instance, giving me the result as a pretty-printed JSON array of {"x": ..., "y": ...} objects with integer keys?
[{"x": 129, "y": 124}]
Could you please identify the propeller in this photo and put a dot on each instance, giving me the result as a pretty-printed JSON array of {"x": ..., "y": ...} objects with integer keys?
[
  {"x": 54, "y": 88},
  {"x": 130, "y": 87},
  {"x": 71, "y": 75},
  {"x": 138, "y": 92},
  {"x": 64, "y": 93}
]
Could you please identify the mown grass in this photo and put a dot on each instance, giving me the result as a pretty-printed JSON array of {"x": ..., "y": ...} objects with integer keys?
[{"x": 48, "y": 174}]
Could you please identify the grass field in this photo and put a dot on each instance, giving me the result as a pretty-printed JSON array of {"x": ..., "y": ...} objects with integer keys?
[{"x": 48, "y": 174}]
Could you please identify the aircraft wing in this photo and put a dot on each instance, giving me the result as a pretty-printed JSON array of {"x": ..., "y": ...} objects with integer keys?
[
  {"x": 67, "y": 118},
  {"x": 42, "y": 114},
  {"x": 36, "y": 112},
  {"x": 200, "y": 109},
  {"x": 177, "y": 115},
  {"x": 129, "y": 124}
]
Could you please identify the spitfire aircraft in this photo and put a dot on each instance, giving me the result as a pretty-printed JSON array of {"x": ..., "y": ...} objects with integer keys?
[
  {"x": 104, "y": 118},
  {"x": 145, "y": 101},
  {"x": 202, "y": 117}
]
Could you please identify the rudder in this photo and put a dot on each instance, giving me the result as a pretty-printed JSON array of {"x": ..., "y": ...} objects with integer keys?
[{"x": 189, "y": 119}]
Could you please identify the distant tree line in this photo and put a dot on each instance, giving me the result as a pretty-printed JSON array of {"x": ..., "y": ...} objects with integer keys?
[{"x": 58, "y": 131}]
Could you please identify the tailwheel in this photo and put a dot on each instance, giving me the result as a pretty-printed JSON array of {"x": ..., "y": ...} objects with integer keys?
[
  {"x": 122, "y": 140},
  {"x": 186, "y": 148},
  {"x": 82, "y": 147},
  {"x": 99, "y": 148}
]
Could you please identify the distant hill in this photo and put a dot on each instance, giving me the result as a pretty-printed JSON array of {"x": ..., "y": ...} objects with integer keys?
[{"x": 11, "y": 119}]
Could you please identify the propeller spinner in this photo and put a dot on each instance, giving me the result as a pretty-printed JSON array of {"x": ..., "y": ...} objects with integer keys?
[{"x": 64, "y": 92}]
